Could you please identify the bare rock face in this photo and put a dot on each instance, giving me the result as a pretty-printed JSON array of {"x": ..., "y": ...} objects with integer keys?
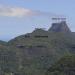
[{"x": 60, "y": 27}]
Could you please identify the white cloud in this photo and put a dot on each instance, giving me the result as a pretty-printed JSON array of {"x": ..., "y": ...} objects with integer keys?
[
  {"x": 15, "y": 11},
  {"x": 23, "y": 12}
]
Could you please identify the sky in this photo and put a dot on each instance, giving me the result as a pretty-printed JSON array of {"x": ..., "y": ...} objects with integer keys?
[{"x": 19, "y": 17}]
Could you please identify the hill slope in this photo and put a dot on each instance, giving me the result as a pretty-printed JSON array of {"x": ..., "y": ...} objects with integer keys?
[
  {"x": 33, "y": 53},
  {"x": 65, "y": 66},
  {"x": 40, "y": 49}
]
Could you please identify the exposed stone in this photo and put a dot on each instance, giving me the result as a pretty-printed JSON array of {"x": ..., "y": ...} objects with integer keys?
[{"x": 60, "y": 27}]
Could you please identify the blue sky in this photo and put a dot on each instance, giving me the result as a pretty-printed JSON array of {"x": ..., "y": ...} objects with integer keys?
[{"x": 23, "y": 16}]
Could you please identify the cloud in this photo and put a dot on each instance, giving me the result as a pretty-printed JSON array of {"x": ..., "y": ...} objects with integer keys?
[
  {"x": 15, "y": 11},
  {"x": 23, "y": 12}
]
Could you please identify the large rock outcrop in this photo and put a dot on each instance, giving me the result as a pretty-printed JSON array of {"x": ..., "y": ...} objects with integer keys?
[{"x": 60, "y": 27}]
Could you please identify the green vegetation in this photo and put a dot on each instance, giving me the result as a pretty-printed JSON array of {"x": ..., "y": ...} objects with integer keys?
[
  {"x": 34, "y": 53},
  {"x": 65, "y": 66}
]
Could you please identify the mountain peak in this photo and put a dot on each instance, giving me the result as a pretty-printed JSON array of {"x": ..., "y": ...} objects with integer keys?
[{"x": 60, "y": 27}]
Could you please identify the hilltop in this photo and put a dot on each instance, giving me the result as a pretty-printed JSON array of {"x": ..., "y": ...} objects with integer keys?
[{"x": 60, "y": 27}]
